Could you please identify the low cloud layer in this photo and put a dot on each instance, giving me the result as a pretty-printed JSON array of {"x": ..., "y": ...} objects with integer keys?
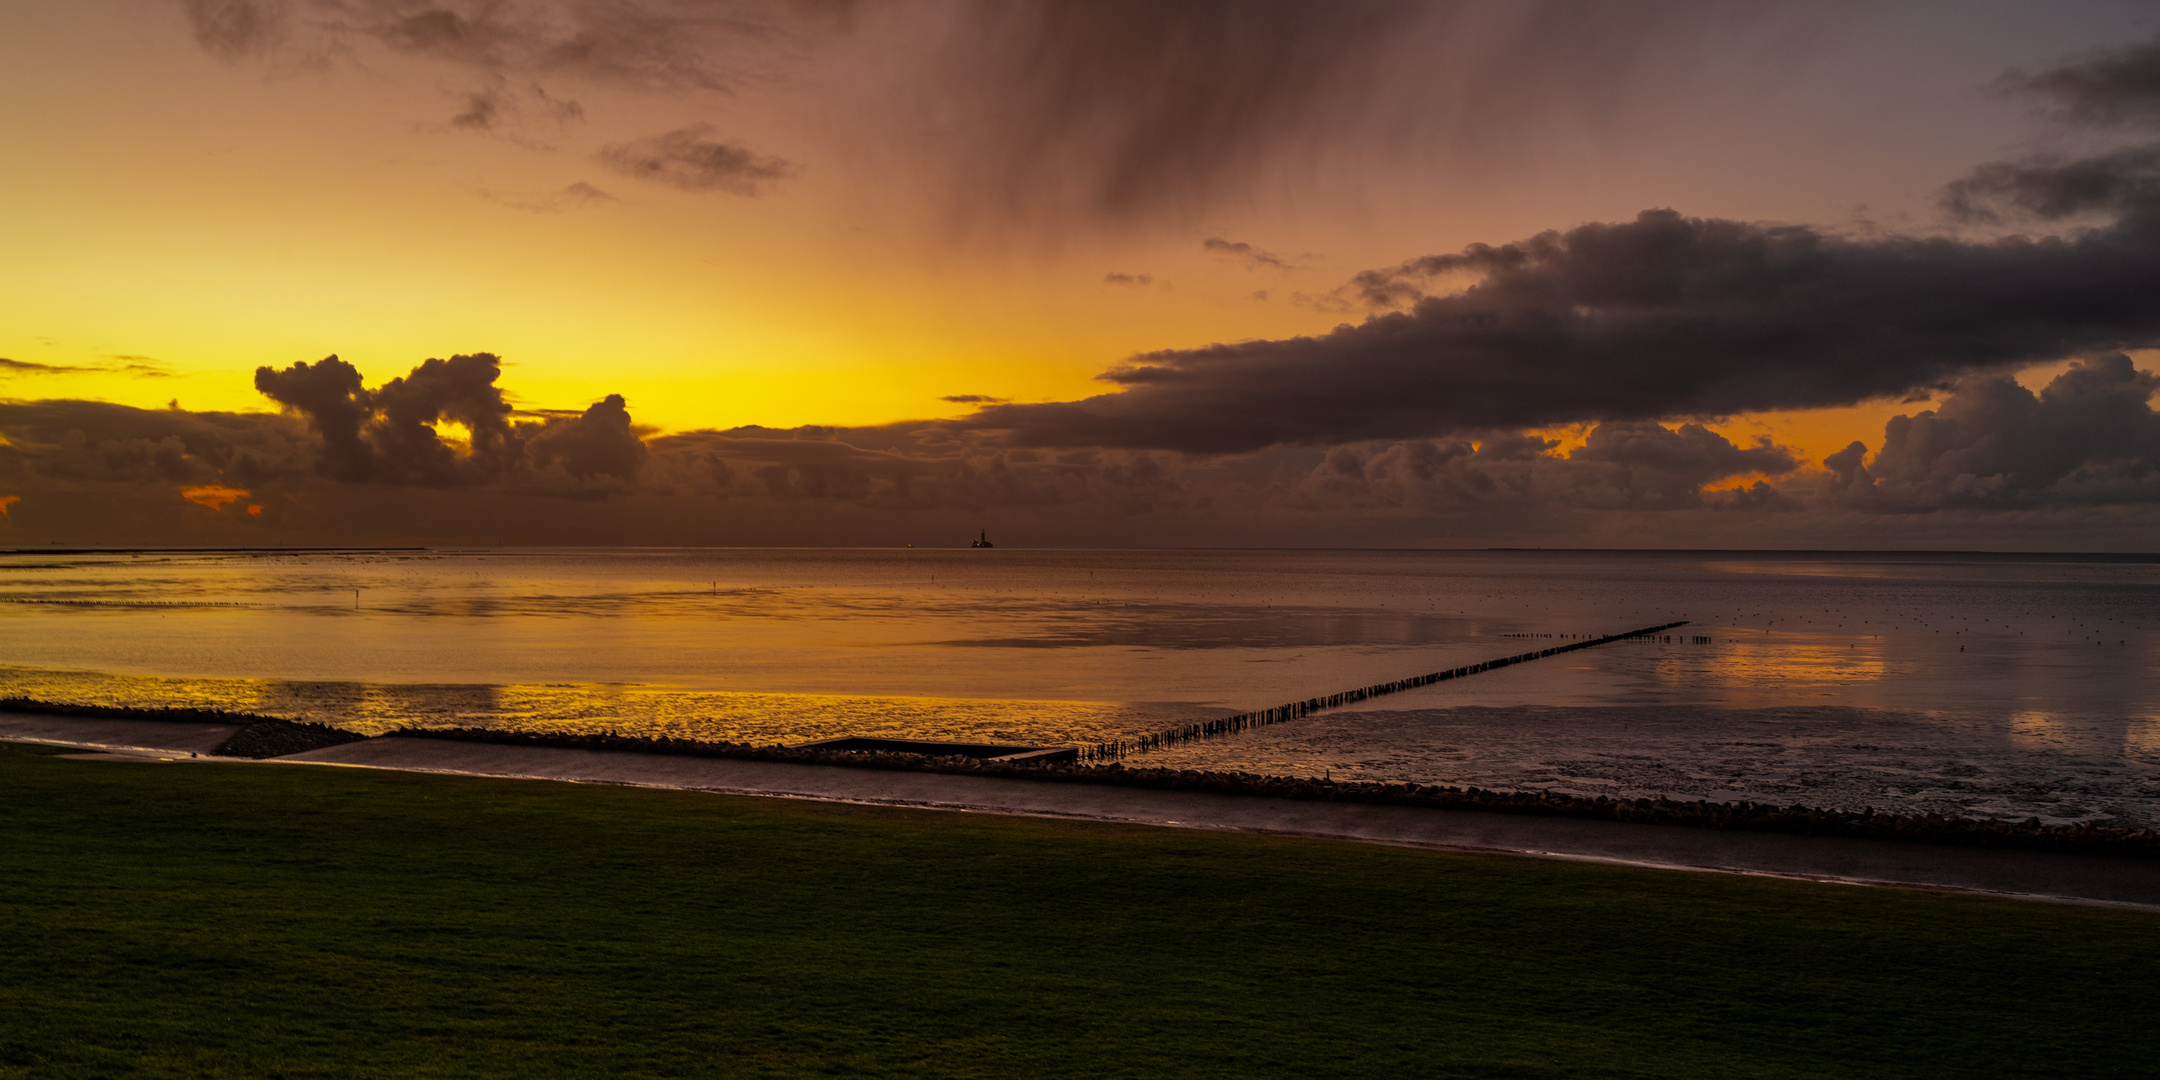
[{"x": 2089, "y": 440}]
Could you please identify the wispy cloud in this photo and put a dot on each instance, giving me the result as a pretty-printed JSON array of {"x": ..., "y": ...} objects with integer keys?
[
  {"x": 519, "y": 55},
  {"x": 26, "y": 367},
  {"x": 139, "y": 366},
  {"x": 689, "y": 159},
  {"x": 1254, "y": 258},
  {"x": 578, "y": 196}
]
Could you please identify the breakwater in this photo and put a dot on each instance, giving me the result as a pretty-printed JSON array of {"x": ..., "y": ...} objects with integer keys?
[{"x": 1230, "y": 725}]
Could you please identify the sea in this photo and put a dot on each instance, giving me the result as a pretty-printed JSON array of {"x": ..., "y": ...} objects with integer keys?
[{"x": 1984, "y": 685}]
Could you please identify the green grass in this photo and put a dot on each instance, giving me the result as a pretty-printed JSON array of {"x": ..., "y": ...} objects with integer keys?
[{"x": 273, "y": 920}]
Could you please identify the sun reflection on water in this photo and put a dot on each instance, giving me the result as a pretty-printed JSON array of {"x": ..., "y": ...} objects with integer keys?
[{"x": 762, "y": 718}]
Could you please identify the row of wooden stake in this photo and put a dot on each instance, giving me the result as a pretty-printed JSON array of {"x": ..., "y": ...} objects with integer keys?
[{"x": 1229, "y": 725}]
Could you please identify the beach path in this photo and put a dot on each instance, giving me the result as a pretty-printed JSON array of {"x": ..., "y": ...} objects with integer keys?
[{"x": 95, "y": 733}]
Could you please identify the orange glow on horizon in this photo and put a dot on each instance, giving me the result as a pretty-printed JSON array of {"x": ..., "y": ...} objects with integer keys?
[{"x": 214, "y": 496}]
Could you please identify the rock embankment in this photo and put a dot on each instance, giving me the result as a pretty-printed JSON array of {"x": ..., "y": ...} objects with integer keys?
[
  {"x": 2028, "y": 835},
  {"x": 270, "y": 737},
  {"x": 259, "y": 736}
]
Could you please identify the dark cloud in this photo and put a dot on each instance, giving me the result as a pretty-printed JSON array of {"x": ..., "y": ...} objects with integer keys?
[
  {"x": 974, "y": 399},
  {"x": 2114, "y": 86},
  {"x": 329, "y": 394},
  {"x": 2089, "y": 437},
  {"x": 123, "y": 467},
  {"x": 2118, "y": 89},
  {"x": 1662, "y": 316},
  {"x": 1140, "y": 280},
  {"x": 596, "y": 444},
  {"x": 393, "y": 434},
  {"x": 402, "y": 432},
  {"x": 1253, "y": 258},
  {"x": 687, "y": 159},
  {"x": 2053, "y": 187}
]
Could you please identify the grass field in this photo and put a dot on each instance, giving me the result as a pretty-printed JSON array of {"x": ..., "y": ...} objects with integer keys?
[{"x": 276, "y": 920}]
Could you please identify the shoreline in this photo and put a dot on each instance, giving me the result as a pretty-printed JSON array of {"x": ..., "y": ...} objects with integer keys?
[
  {"x": 2056, "y": 876},
  {"x": 262, "y": 737}
]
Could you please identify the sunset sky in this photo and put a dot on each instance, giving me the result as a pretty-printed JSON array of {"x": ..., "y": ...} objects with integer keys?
[{"x": 1251, "y": 273}]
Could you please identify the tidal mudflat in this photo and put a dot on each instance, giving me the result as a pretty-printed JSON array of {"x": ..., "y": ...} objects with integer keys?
[{"x": 2013, "y": 686}]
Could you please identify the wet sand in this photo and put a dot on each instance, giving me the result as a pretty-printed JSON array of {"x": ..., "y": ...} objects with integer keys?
[
  {"x": 2060, "y": 769},
  {"x": 2038, "y": 875}
]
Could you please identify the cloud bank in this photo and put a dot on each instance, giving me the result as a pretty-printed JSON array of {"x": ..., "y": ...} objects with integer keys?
[{"x": 1663, "y": 316}]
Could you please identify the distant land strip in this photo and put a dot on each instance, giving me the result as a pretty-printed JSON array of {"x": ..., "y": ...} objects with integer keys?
[
  {"x": 1229, "y": 725},
  {"x": 208, "y": 550}
]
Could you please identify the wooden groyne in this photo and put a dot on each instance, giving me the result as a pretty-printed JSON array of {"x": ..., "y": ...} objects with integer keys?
[{"x": 1230, "y": 725}]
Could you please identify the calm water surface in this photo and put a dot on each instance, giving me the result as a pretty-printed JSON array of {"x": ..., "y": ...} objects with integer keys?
[{"x": 2007, "y": 685}]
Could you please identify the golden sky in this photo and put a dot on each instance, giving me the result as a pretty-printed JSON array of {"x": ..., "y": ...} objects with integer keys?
[{"x": 924, "y": 203}]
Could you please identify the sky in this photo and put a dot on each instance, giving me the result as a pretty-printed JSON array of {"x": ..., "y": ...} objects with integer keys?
[{"x": 1255, "y": 273}]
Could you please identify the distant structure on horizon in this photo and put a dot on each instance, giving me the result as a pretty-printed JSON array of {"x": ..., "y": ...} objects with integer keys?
[{"x": 983, "y": 540}]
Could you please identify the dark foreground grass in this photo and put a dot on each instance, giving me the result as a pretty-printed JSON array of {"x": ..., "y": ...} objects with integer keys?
[{"x": 264, "y": 920}]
